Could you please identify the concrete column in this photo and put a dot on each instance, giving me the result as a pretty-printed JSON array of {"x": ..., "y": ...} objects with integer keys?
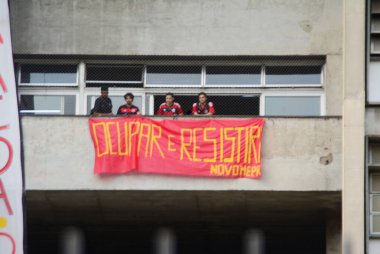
[
  {"x": 72, "y": 241},
  {"x": 164, "y": 242},
  {"x": 353, "y": 127},
  {"x": 254, "y": 242},
  {"x": 82, "y": 84}
]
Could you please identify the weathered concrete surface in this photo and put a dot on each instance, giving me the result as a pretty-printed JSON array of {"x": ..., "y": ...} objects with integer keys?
[
  {"x": 167, "y": 27},
  {"x": 353, "y": 128},
  {"x": 296, "y": 156}
]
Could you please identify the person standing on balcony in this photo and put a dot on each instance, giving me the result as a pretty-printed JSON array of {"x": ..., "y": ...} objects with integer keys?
[
  {"x": 103, "y": 104},
  {"x": 203, "y": 107},
  {"x": 128, "y": 109},
  {"x": 169, "y": 107}
]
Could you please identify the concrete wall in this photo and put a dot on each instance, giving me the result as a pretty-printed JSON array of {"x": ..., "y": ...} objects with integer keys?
[
  {"x": 299, "y": 154},
  {"x": 169, "y": 27}
]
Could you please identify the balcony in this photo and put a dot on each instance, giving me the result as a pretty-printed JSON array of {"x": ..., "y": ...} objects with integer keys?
[{"x": 298, "y": 154}]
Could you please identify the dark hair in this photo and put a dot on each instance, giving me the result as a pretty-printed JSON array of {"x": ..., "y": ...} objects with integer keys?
[
  {"x": 202, "y": 93},
  {"x": 130, "y": 95},
  {"x": 171, "y": 94},
  {"x": 104, "y": 88}
]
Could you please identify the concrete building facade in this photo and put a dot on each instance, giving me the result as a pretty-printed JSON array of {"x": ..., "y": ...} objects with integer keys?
[{"x": 313, "y": 195}]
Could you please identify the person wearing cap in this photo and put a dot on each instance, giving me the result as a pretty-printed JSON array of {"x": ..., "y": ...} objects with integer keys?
[
  {"x": 169, "y": 107},
  {"x": 203, "y": 107},
  {"x": 103, "y": 104},
  {"x": 128, "y": 108}
]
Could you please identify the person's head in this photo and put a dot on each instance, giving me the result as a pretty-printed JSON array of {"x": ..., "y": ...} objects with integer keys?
[
  {"x": 104, "y": 91},
  {"x": 169, "y": 98},
  {"x": 129, "y": 98},
  {"x": 202, "y": 96}
]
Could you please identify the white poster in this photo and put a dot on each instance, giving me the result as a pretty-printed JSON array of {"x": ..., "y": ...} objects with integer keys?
[{"x": 11, "y": 185}]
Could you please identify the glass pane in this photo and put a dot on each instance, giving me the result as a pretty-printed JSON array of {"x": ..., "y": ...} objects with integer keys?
[
  {"x": 173, "y": 75},
  {"x": 375, "y": 154},
  {"x": 40, "y": 104},
  {"x": 233, "y": 75},
  {"x": 292, "y": 106},
  {"x": 376, "y": 223},
  {"x": 48, "y": 74},
  {"x": 375, "y": 44},
  {"x": 48, "y": 104},
  {"x": 375, "y": 183},
  {"x": 117, "y": 101},
  {"x": 375, "y": 6},
  {"x": 373, "y": 88},
  {"x": 293, "y": 75},
  {"x": 114, "y": 73},
  {"x": 375, "y": 24},
  {"x": 376, "y": 203},
  {"x": 70, "y": 104}
]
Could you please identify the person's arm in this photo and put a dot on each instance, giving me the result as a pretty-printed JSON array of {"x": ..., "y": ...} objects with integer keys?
[
  {"x": 95, "y": 108},
  {"x": 105, "y": 114},
  {"x": 110, "y": 109},
  {"x": 138, "y": 111},
  {"x": 179, "y": 109},
  {"x": 211, "y": 109},
  {"x": 102, "y": 114},
  {"x": 194, "y": 110},
  {"x": 119, "y": 111}
]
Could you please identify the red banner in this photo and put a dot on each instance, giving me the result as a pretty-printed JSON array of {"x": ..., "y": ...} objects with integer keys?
[{"x": 223, "y": 148}]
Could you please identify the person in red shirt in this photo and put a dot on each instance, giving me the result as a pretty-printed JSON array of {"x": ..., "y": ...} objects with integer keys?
[
  {"x": 203, "y": 108},
  {"x": 169, "y": 107},
  {"x": 128, "y": 108}
]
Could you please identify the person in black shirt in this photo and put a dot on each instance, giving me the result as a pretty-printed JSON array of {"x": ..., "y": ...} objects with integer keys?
[
  {"x": 128, "y": 108},
  {"x": 103, "y": 104}
]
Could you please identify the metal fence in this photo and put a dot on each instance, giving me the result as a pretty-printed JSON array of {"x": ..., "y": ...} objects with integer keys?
[{"x": 266, "y": 86}]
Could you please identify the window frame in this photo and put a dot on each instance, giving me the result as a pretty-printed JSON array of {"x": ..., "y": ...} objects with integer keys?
[
  {"x": 52, "y": 93},
  {"x": 258, "y": 85},
  {"x": 19, "y": 71},
  {"x": 320, "y": 94},
  {"x": 281, "y": 85},
  {"x": 81, "y": 91},
  {"x": 200, "y": 85},
  {"x": 142, "y": 81},
  {"x": 371, "y": 212}
]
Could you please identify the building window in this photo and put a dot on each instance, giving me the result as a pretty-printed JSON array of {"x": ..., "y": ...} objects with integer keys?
[
  {"x": 373, "y": 158},
  {"x": 293, "y": 75},
  {"x": 114, "y": 75},
  {"x": 273, "y": 87},
  {"x": 173, "y": 76},
  {"x": 375, "y": 27},
  {"x": 292, "y": 105},
  {"x": 375, "y": 204},
  {"x": 373, "y": 87},
  {"x": 47, "y": 75},
  {"x": 233, "y": 76},
  {"x": 48, "y": 104}
]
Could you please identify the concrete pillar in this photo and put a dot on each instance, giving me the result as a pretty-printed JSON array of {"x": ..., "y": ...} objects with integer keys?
[
  {"x": 254, "y": 242},
  {"x": 353, "y": 127},
  {"x": 72, "y": 241},
  {"x": 164, "y": 242}
]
